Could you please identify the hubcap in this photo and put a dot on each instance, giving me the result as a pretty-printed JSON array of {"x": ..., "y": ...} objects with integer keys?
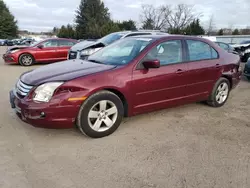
[
  {"x": 26, "y": 60},
  {"x": 102, "y": 115},
  {"x": 222, "y": 92}
]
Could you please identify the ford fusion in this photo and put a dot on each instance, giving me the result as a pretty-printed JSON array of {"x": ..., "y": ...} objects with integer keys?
[{"x": 131, "y": 76}]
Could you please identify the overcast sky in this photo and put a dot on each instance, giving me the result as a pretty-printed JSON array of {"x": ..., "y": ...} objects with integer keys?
[{"x": 43, "y": 15}]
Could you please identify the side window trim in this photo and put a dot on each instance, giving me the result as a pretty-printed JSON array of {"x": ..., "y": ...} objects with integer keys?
[
  {"x": 139, "y": 65},
  {"x": 188, "y": 55}
]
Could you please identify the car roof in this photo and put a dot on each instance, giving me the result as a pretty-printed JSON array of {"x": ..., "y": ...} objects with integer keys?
[{"x": 170, "y": 36}]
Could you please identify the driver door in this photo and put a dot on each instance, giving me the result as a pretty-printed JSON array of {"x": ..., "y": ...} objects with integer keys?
[
  {"x": 160, "y": 87},
  {"x": 48, "y": 52}
]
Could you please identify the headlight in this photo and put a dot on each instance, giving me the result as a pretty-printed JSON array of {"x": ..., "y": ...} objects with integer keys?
[
  {"x": 88, "y": 52},
  {"x": 44, "y": 92},
  {"x": 13, "y": 51}
]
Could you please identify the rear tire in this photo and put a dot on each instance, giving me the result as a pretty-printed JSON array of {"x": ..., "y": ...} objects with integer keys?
[
  {"x": 100, "y": 115},
  {"x": 26, "y": 60},
  {"x": 220, "y": 93}
]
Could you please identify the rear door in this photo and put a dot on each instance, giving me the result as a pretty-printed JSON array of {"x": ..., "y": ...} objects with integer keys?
[
  {"x": 63, "y": 49},
  {"x": 204, "y": 68},
  {"x": 48, "y": 52},
  {"x": 161, "y": 87}
]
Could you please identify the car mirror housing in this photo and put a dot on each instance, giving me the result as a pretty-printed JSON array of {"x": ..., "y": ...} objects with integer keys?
[
  {"x": 40, "y": 46},
  {"x": 151, "y": 64}
]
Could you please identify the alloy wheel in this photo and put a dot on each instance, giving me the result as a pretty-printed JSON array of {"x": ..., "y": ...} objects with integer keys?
[
  {"x": 102, "y": 116},
  {"x": 27, "y": 60},
  {"x": 222, "y": 92}
]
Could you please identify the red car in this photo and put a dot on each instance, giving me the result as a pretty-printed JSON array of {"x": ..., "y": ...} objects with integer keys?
[
  {"x": 49, "y": 50},
  {"x": 131, "y": 76}
]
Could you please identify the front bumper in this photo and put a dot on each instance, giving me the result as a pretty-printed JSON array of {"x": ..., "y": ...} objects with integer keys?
[
  {"x": 44, "y": 114},
  {"x": 10, "y": 58}
]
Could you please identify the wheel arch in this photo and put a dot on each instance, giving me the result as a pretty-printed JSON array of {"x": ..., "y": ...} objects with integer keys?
[
  {"x": 26, "y": 53},
  {"x": 229, "y": 78}
]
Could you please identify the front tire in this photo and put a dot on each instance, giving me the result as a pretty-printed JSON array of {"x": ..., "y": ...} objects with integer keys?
[
  {"x": 100, "y": 115},
  {"x": 26, "y": 60},
  {"x": 220, "y": 93}
]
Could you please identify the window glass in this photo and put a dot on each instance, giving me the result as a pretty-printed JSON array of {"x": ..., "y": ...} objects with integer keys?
[
  {"x": 65, "y": 43},
  {"x": 167, "y": 52},
  {"x": 224, "y": 46},
  {"x": 200, "y": 51},
  {"x": 120, "y": 52},
  {"x": 50, "y": 43}
]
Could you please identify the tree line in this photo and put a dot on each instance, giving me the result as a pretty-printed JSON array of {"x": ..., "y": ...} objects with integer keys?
[{"x": 93, "y": 21}]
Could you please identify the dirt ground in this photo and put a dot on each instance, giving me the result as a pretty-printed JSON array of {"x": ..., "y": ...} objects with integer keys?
[{"x": 183, "y": 147}]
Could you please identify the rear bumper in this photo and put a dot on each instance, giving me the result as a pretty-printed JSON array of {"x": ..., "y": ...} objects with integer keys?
[
  {"x": 44, "y": 114},
  {"x": 10, "y": 58}
]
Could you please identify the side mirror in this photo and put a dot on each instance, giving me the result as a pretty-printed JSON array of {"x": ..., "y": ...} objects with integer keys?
[
  {"x": 40, "y": 46},
  {"x": 151, "y": 64}
]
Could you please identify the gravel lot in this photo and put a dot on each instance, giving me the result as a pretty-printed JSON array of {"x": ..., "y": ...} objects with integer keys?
[{"x": 183, "y": 147}]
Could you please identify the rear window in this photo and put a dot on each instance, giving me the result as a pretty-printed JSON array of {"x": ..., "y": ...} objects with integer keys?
[{"x": 199, "y": 50}]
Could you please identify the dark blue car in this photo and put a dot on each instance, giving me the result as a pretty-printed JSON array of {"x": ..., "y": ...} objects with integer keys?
[{"x": 247, "y": 69}]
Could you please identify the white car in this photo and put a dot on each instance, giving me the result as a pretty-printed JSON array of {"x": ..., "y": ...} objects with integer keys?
[{"x": 85, "y": 48}]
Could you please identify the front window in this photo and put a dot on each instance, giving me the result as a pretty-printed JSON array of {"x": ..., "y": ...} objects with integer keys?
[
  {"x": 111, "y": 38},
  {"x": 169, "y": 52},
  {"x": 50, "y": 43},
  {"x": 121, "y": 52}
]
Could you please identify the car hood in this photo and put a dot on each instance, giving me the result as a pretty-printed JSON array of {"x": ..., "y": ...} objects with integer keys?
[
  {"x": 63, "y": 71},
  {"x": 9, "y": 49},
  {"x": 86, "y": 44}
]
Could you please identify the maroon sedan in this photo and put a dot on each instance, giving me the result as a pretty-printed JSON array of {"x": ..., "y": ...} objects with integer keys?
[
  {"x": 131, "y": 76},
  {"x": 49, "y": 50}
]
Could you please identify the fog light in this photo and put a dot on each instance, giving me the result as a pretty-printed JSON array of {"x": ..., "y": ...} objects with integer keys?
[{"x": 42, "y": 114}]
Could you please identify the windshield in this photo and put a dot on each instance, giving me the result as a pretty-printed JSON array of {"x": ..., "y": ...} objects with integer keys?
[
  {"x": 111, "y": 38},
  {"x": 120, "y": 52},
  {"x": 245, "y": 42}
]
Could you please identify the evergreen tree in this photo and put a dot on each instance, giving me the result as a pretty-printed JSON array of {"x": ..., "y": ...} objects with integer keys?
[
  {"x": 220, "y": 32},
  {"x": 148, "y": 24},
  {"x": 236, "y": 32},
  {"x": 91, "y": 17},
  {"x": 127, "y": 25},
  {"x": 194, "y": 28},
  {"x": 66, "y": 32},
  {"x": 8, "y": 24}
]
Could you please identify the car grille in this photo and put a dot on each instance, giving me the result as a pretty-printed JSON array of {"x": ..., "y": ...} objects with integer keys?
[
  {"x": 72, "y": 55},
  {"x": 22, "y": 89}
]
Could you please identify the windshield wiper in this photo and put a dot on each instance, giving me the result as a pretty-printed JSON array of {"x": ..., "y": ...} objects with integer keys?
[{"x": 95, "y": 61}]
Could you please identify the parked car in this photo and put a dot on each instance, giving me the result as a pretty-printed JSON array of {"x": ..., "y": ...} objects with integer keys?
[
  {"x": 49, "y": 50},
  {"x": 131, "y": 76},
  {"x": 227, "y": 47},
  {"x": 8, "y": 43},
  {"x": 85, "y": 48},
  {"x": 2, "y": 42},
  {"x": 243, "y": 49},
  {"x": 246, "y": 71}
]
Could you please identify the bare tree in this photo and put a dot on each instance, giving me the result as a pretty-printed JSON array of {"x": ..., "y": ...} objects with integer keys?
[
  {"x": 167, "y": 17},
  {"x": 180, "y": 16},
  {"x": 154, "y": 17},
  {"x": 211, "y": 25}
]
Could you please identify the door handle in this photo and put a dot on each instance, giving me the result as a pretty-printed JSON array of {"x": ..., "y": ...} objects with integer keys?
[{"x": 179, "y": 71}]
